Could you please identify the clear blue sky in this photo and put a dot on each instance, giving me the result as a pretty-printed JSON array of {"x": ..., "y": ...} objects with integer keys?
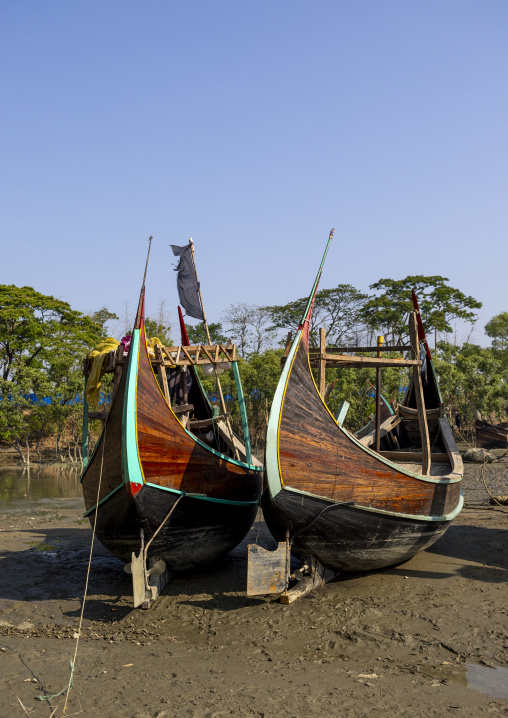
[{"x": 253, "y": 127}]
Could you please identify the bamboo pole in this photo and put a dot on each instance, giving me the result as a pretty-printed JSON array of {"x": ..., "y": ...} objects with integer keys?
[
  {"x": 142, "y": 293},
  {"x": 322, "y": 361},
  {"x": 380, "y": 342},
  {"x": 420, "y": 401},
  {"x": 219, "y": 387}
]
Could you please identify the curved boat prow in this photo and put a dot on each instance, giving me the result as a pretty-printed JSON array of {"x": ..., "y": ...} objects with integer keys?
[{"x": 330, "y": 496}]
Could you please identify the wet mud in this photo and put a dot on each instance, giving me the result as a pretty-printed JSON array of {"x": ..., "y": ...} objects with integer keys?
[{"x": 425, "y": 638}]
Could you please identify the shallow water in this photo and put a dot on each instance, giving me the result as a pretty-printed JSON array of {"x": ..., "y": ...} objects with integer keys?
[
  {"x": 491, "y": 681},
  {"x": 31, "y": 488}
]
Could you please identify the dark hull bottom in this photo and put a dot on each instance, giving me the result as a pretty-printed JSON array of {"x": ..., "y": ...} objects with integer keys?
[
  {"x": 197, "y": 532},
  {"x": 345, "y": 538}
]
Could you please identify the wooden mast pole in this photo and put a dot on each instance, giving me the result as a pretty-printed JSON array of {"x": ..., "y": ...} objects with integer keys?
[
  {"x": 418, "y": 389},
  {"x": 380, "y": 342},
  {"x": 141, "y": 307},
  {"x": 322, "y": 362},
  {"x": 219, "y": 387}
]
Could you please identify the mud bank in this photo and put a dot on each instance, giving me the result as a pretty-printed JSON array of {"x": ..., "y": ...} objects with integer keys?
[{"x": 407, "y": 641}]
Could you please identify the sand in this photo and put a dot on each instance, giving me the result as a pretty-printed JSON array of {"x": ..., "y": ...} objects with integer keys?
[{"x": 406, "y": 641}]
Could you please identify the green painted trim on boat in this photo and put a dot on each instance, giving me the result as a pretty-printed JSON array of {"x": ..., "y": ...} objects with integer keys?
[
  {"x": 272, "y": 431},
  {"x": 131, "y": 466},
  {"x": 202, "y": 497},
  {"x": 429, "y": 479},
  {"x": 273, "y": 476},
  {"x": 95, "y": 449},
  {"x": 205, "y": 446},
  {"x": 243, "y": 413},
  {"x": 360, "y": 507},
  {"x": 343, "y": 410},
  {"x": 89, "y": 511},
  {"x": 316, "y": 282},
  {"x": 222, "y": 456}
]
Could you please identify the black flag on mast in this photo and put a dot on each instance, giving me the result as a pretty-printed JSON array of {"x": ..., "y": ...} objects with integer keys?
[{"x": 186, "y": 282}]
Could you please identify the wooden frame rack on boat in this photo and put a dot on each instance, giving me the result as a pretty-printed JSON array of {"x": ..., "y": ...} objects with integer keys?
[
  {"x": 171, "y": 357},
  {"x": 178, "y": 357},
  {"x": 321, "y": 357}
]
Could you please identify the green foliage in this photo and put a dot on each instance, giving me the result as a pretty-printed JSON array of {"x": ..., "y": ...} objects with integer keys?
[
  {"x": 439, "y": 305},
  {"x": 497, "y": 330},
  {"x": 197, "y": 334},
  {"x": 34, "y": 327},
  {"x": 102, "y": 317},
  {"x": 42, "y": 344},
  {"x": 154, "y": 329},
  {"x": 260, "y": 376},
  {"x": 357, "y": 386},
  {"x": 338, "y": 309},
  {"x": 472, "y": 376}
]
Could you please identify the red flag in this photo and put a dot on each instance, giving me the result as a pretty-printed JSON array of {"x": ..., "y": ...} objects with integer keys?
[{"x": 183, "y": 329}]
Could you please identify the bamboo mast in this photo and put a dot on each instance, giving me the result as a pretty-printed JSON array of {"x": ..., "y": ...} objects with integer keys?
[
  {"x": 380, "y": 342},
  {"x": 141, "y": 307},
  {"x": 219, "y": 387}
]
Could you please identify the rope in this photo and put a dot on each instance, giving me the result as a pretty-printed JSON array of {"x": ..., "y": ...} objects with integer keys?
[
  {"x": 72, "y": 664},
  {"x": 55, "y": 695},
  {"x": 487, "y": 489}
]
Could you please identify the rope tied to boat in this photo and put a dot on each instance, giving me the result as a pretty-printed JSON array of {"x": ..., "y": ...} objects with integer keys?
[
  {"x": 493, "y": 498},
  {"x": 72, "y": 663},
  {"x": 55, "y": 695}
]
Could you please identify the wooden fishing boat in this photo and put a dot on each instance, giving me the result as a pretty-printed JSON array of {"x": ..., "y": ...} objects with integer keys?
[
  {"x": 163, "y": 483},
  {"x": 491, "y": 436},
  {"x": 333, "y": 499}
]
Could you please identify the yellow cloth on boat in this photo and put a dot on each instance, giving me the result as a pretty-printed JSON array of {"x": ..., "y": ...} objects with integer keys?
[
  {"x": 98, "y": 354},
  {"x": 150, "y": 343}
]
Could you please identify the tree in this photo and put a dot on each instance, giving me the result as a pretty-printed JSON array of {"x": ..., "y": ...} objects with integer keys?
[
  {"x": 42, "y": 344},
  {"x": 497, "y": 330},
  {"x": 33, "y": 327},
  {"x": 102, "y": 317},
  {"x": 439, "y": 305},
  {"x": 338, "y": 309},
  {"x": 248, "y": 326},
  {"x": 160, "y": 326},
  {"x": 260, "y": 376},
  {"x": 471, "y": 376},
  {"x": 197, "y": 334}
]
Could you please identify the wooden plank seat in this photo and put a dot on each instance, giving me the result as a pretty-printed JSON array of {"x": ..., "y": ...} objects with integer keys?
[
  {"x": 182, "y": 409},
  {"x": 205, "y": 423}
]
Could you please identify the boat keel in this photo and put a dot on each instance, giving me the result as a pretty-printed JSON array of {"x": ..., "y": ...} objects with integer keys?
[{"x": 149, "y": 577}]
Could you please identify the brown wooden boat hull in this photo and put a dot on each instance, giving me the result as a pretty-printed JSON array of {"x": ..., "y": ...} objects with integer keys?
[
  {"x": 490, "y": 436},
  {"x": 318, "y": 457},
  {"x": 345, "y": 538},
  {"x": 139, "y": 470},
  {"x": 198, "y": 532}
]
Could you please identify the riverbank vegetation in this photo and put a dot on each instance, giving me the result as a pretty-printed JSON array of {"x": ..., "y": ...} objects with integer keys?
[{"x": 43, "y": 342}]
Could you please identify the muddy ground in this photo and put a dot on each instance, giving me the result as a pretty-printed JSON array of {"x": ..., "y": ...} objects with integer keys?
[{"x": 406, "y": 641}]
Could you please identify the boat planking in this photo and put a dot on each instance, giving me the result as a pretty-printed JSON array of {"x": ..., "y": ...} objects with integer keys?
[
  {"x": 330, "y": 496},
  {"x": 490, "y": 436},
  {"x": 155, "y": 488}
]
